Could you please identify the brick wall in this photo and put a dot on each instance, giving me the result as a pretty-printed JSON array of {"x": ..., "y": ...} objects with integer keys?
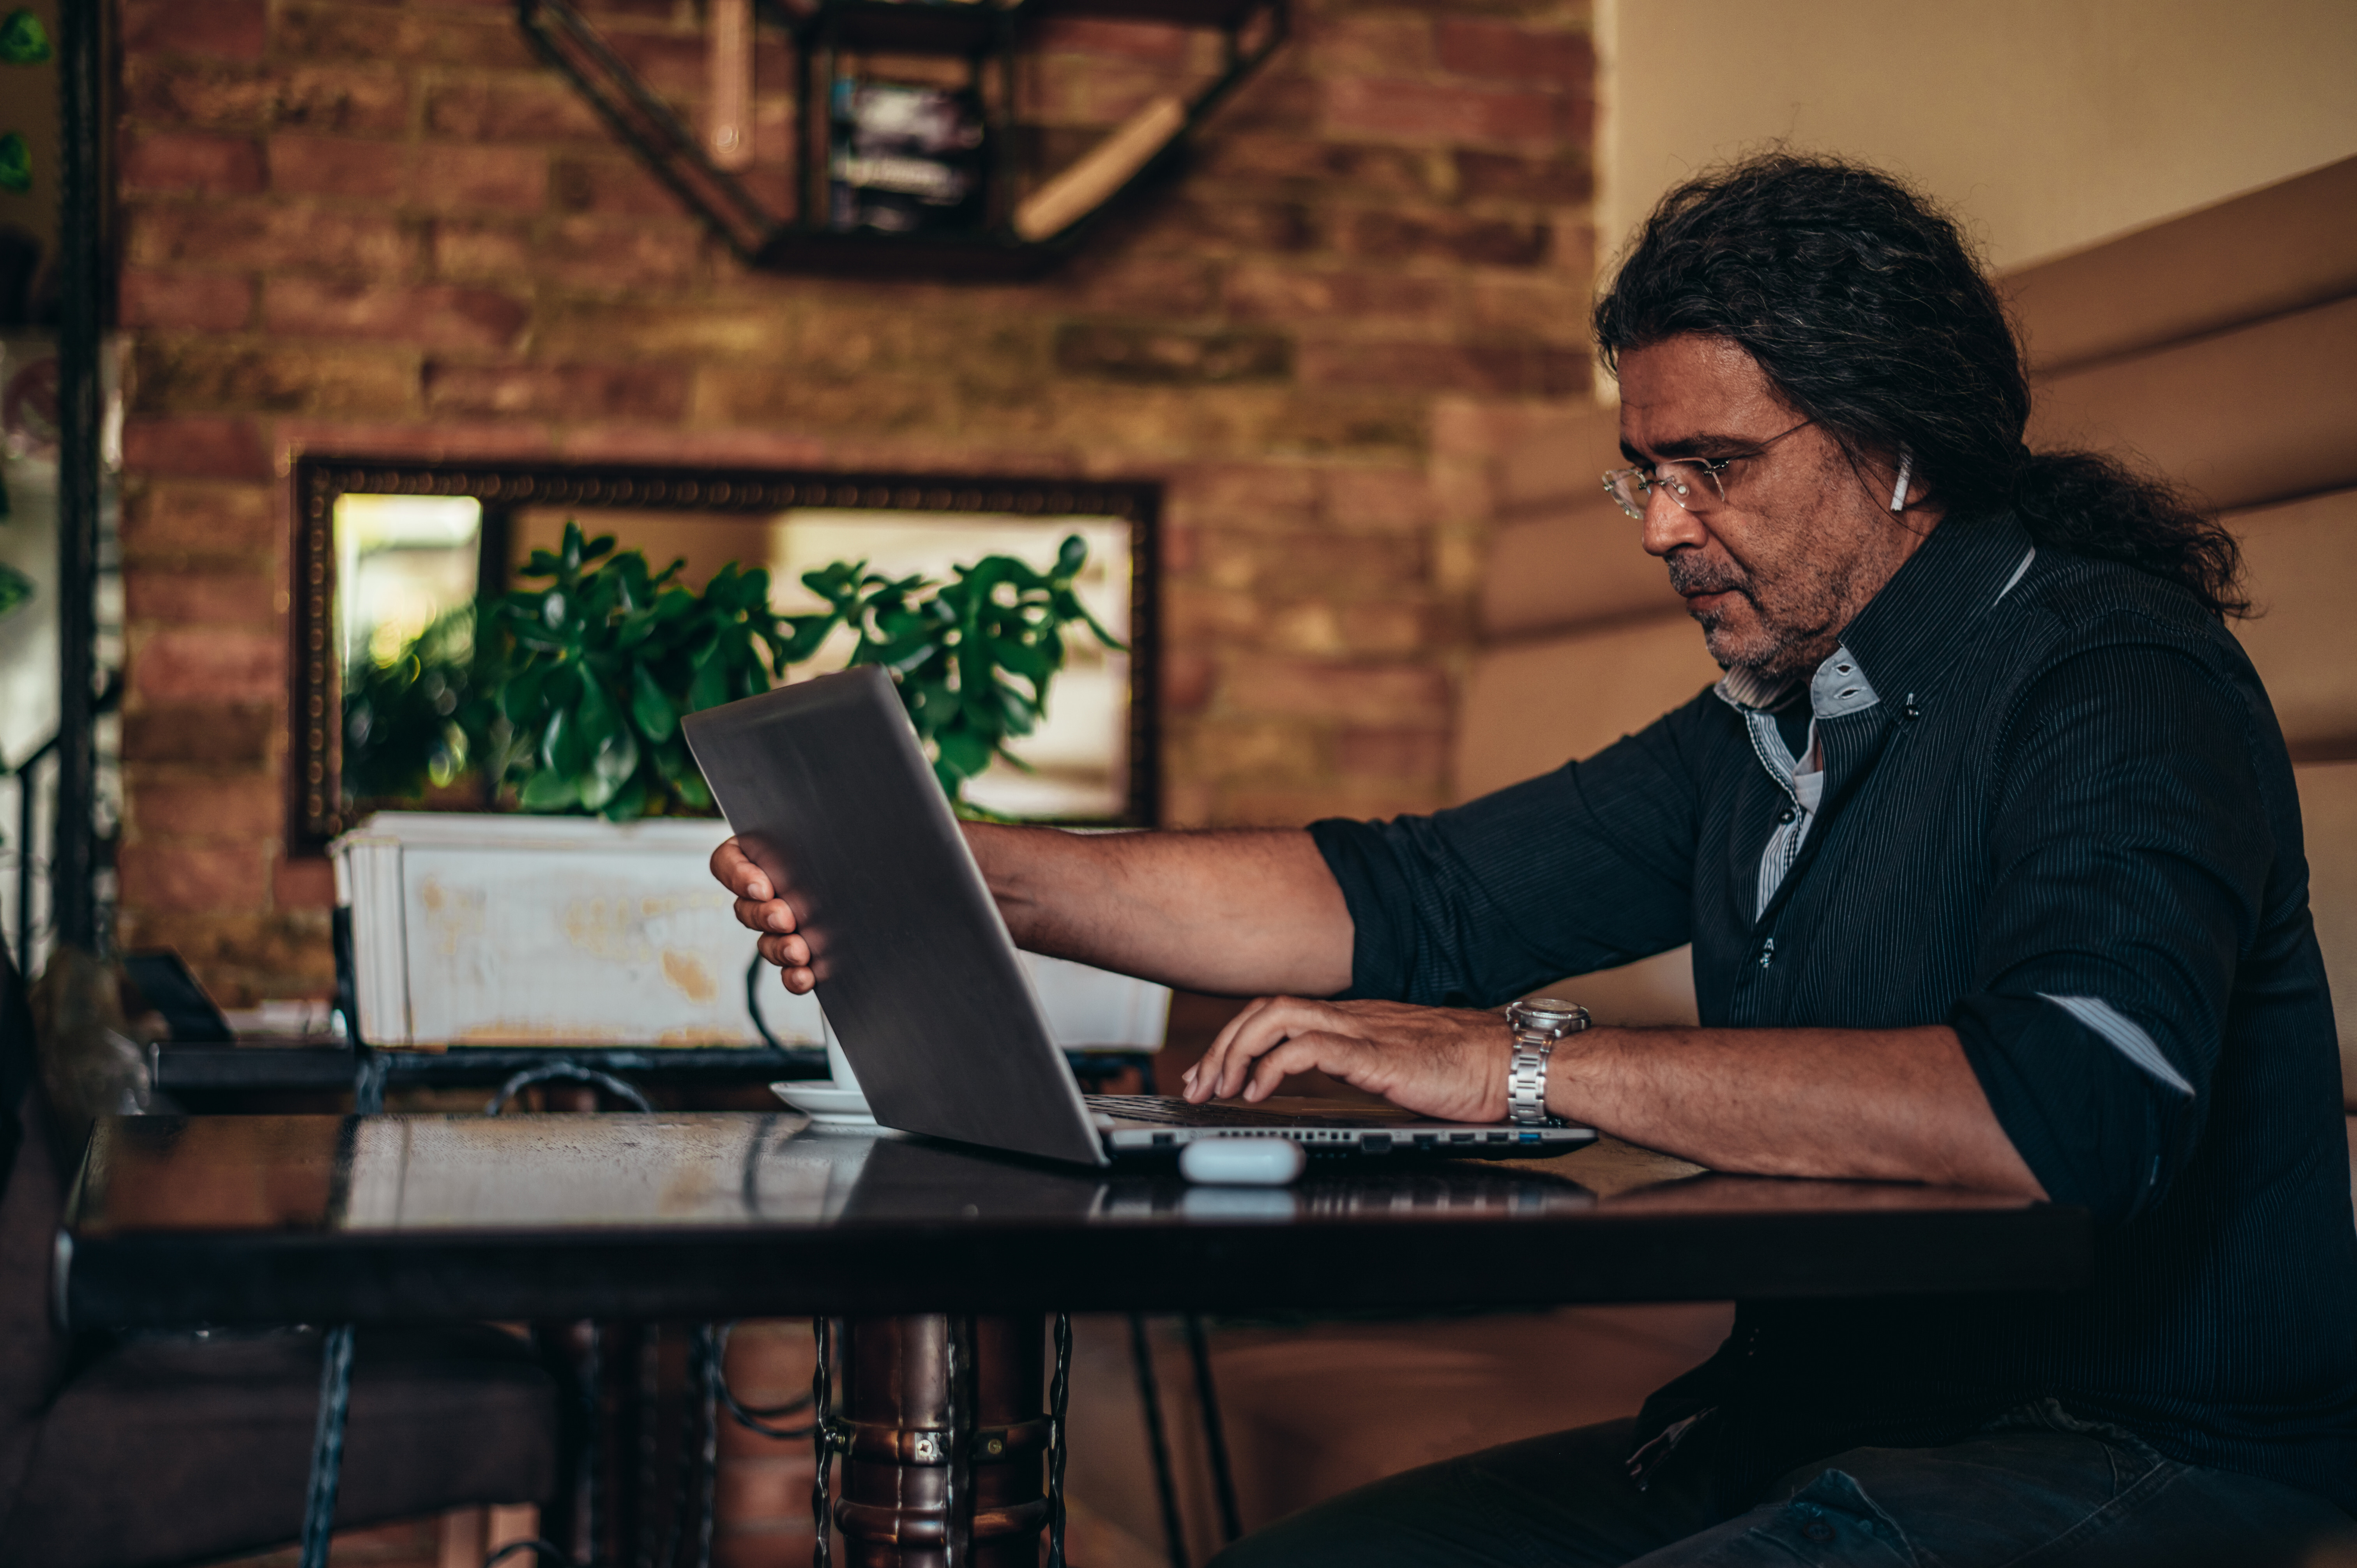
[{"x": 385, "y": 227}]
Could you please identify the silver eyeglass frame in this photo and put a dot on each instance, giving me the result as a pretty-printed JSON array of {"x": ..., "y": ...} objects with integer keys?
[{"x": 1646, "y": 479}]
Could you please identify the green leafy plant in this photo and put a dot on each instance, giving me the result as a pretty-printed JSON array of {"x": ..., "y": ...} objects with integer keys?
[
  {"x": 15, "y": 164},
  {"x": 23, "y": 39},
  {"x": 602, "y": 663},
  {"x": 422, "y": 719},
  {"x": 972, "y": 657},
  {"x": 570, "y": 693},
  {"x": 15, "y": 587}
]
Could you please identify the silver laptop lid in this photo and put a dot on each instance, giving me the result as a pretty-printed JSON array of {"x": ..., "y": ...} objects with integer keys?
[{"x": 827, "y": 787}]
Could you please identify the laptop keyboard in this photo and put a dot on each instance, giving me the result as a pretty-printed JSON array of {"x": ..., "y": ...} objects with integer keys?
[{"x": 1173, "y": 1111}]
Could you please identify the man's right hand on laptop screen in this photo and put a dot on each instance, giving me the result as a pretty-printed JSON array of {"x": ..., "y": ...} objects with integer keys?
[{"x": 759, "y": 908}]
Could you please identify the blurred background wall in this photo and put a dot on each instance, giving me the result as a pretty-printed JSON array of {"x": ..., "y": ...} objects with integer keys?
[{"x": 389, "y": 228}]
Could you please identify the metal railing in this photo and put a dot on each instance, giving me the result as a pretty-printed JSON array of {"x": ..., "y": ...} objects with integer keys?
[{"x": 31, "y": 865}]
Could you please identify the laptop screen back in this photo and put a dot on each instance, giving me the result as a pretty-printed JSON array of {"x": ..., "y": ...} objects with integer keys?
[{"x": 825, "y": 785}]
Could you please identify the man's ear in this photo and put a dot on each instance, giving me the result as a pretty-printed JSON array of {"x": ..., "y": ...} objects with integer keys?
[{"x": 1907, "y": 486}]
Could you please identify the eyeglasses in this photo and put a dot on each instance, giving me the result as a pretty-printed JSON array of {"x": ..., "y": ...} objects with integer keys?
[{"x": 1697, "y": 484}]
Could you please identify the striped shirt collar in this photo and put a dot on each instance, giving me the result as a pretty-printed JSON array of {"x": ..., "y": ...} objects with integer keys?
[
  {"x": 1912, "y": 628},
  {"x": 1966, "y": 558}
]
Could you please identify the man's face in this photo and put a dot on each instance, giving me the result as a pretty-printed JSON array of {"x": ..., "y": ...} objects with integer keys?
[{"x": 1804, "y": 537}]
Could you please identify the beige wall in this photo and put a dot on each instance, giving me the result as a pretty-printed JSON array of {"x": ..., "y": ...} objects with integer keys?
[{"x": 2050, "y": 124}]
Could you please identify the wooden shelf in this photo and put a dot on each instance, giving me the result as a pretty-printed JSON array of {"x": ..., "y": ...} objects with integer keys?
[
  {"x": 977, "y": 33},
  {"x": 913, "y": 28},
  {"x": 1185, "y": 13},
  {"x": 951, "y": 28}
]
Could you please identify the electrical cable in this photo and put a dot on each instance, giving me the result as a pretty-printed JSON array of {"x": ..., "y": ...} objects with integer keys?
[
  {"x": 1060, "y": 1388},
  {"x": 1149, "y": 1395},
  {"x": 823, "y": 1442},
  {"x": 753, "y": 1002},
  {"x": 757, "y": 1418},
  {"x": 957, "y": 1423},
  {"x": 1215, "y": 1437},
  {"x": 536, "y": 1546},
  {"x": 327, "y": 1445},
  {"x": 572, "y": 1072}
]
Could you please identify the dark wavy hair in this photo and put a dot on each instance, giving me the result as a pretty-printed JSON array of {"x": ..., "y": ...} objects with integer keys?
[{"x": 1868, "y": 312}]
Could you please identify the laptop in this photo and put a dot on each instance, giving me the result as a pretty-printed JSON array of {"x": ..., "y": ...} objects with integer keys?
[{"x": 827, "y": 787}]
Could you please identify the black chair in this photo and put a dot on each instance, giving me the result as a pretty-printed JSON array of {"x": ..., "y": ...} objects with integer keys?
[{"x": 167, "y": 1449}]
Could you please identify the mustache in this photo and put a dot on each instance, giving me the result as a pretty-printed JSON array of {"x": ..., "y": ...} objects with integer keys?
[{"x": 1692, "y": 575}]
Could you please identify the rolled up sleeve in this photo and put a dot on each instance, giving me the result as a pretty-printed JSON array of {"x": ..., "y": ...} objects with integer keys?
[
  {"x": 1580, "y": 869},
  {"x": 2129, "y": 851}
]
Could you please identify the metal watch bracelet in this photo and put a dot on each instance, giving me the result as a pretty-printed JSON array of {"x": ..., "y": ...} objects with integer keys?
[
  {"x": 1526, "y": 1082},
  {"x": 1538, "y": 1024}
]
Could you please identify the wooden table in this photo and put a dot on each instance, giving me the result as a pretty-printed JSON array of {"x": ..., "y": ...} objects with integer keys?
[
  {"x": 214, "y": 1078},
  {"x": 944, "y": 1259},
  {"x": 208, "y": 1074}
]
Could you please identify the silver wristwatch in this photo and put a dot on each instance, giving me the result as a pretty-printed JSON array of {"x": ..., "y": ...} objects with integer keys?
[{"x": 1538, "y": 1023}]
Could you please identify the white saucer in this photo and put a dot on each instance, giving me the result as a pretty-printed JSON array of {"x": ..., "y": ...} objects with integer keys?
[{"x": 825, "y": 1103}]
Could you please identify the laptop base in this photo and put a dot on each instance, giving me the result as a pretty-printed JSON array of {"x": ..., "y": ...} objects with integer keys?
[{"x": 1133, "y": 1124}]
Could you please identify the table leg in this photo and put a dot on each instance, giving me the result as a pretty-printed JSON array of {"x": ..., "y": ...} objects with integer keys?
[
  {"x": 327, "y": 1445},
  {"x": 945, "y": 1437},
  {"x": 1215, "y": 1435},
  {"x": 368, "y": 1082},
  {"x": 573, "y": 1519},
  {"x": 1157, "y": 1439}
]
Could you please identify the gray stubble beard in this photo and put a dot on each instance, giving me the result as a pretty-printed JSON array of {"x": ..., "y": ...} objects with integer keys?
[{"x": 1778, "y": 662}]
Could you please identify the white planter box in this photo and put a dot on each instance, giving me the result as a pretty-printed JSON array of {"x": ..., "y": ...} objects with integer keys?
[{"x": 507, "y": 929}]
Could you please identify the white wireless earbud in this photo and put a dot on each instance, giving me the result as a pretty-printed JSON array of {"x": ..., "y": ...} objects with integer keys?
[{"x": 1898, "y": 490}]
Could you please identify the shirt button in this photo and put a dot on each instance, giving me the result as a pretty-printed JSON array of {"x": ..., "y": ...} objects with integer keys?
[
  {"x": 1787, "y": 815},
  {"x": 1819, "y": 1530}
]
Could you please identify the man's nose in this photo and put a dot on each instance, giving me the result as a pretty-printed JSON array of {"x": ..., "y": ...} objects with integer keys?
[{"x": 1668, "y": 524}]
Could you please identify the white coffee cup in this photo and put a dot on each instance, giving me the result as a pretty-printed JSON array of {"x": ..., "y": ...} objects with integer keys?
[{"x": 838, "y": 1065}]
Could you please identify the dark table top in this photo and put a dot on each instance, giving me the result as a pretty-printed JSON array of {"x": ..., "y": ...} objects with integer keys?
[
  {"x": 179, "y": 1220},
  {"x": 189, "y": 1069},
  {"x": 232, "y": 1071}
]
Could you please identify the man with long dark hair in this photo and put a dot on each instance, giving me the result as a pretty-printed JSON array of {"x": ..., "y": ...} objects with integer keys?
[{"x": 1989, "y": 851}]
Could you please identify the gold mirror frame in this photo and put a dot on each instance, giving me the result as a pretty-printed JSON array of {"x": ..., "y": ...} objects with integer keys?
[{"x": 315, "y": 701}]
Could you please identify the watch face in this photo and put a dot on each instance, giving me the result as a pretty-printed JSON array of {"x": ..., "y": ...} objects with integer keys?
[{"x": 1544, "y": 1010}]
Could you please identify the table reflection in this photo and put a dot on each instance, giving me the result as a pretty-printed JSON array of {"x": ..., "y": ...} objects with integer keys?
[
  {"x": 425, "y": 1173},
  {"x": 701, "y": 1216},
  {"x": 447, "y": 1174}
]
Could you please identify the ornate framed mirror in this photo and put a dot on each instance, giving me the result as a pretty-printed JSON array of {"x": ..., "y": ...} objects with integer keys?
[{"x": 385, "y": 547}]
